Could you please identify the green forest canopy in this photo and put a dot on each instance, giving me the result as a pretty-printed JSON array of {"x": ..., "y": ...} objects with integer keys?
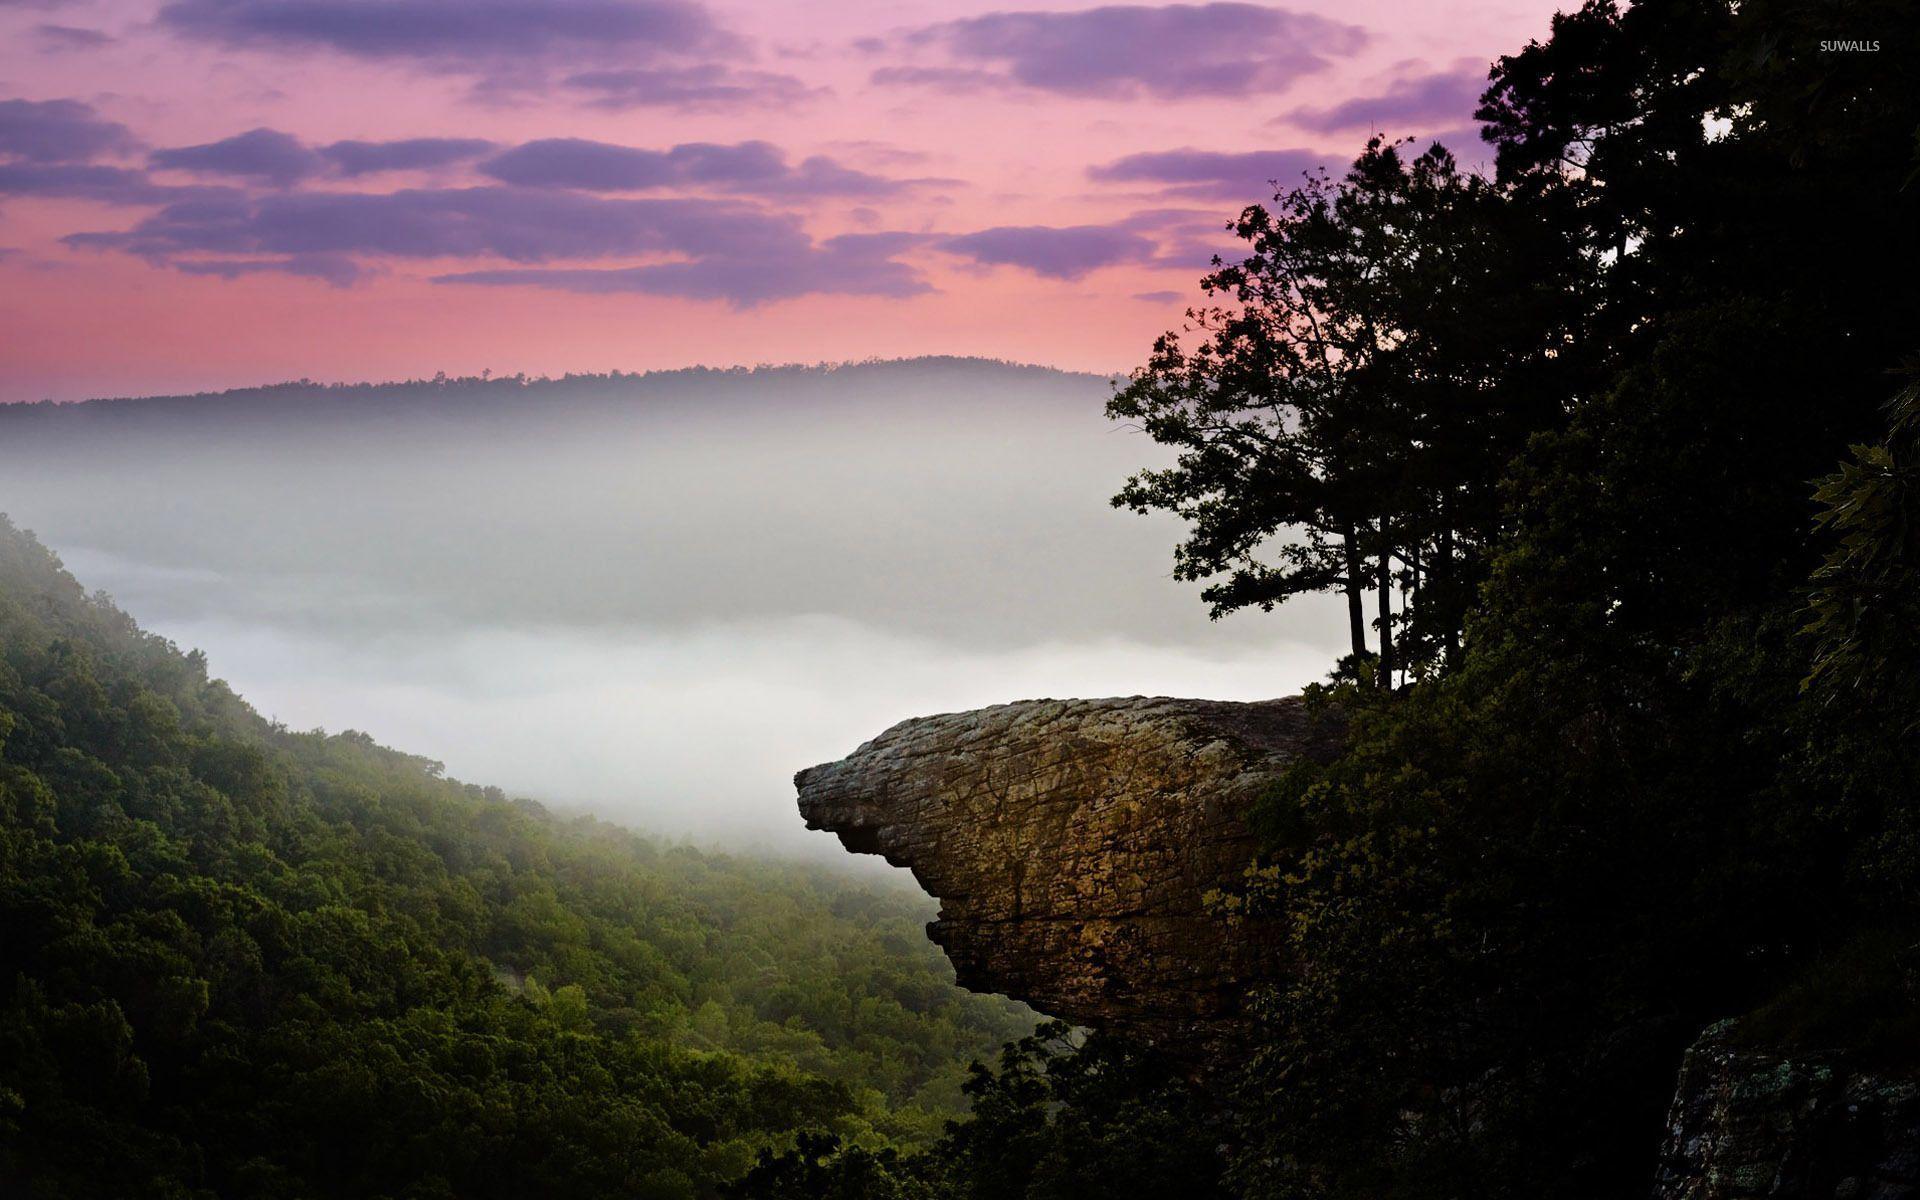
[{"x": 243, "y": 961}]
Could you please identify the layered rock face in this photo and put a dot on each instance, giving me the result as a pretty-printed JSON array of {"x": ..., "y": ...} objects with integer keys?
[
  {"x": 1752, "y": 1123},
  {"x": 1072, "y": 843}
]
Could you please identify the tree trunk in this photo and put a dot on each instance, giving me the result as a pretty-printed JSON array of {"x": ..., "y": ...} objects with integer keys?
[
  {"x": 1356, "y": 603},
  {"x": 1455, "y": 607}
]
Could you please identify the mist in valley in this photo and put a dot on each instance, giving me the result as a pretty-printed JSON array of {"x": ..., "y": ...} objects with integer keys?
[{"x": 654, "y": 597}]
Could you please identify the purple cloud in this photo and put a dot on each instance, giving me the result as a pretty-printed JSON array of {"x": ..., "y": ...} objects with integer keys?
[
  {"x": 1211, "y": 173},
  {"x": 743, "y": 255},
  {"x": 705, "y": 86},
  {"x": 961, "y": 81},
  {"x": 819, "y": 175},
  {"x": 883, "y": 153},
  {"x": 262, "y": 155},
  {"x": 338, "y": 270},
  {"x": 1442, "y": 98},
  {"x": 59, "y": 131},
  {"x": 1157, "y": 297},
  {"x": 1168, "y": 51},
  {"x": 454, "y": 33},
  {"x": 511, "y": 223},
  {"x": 757, "y": 168},
  {"x": 743, "y": 164},
  {"x": 62, "y": 38},
  {"x": 721, "y": 250},
  {"x": 96, "y": 182},
  {"x": 596, "y": 166},
  {"x": 850, "y": 265},
  {"x": 1057, "y": 252},
  {"x": 353, "y": 158},
  {"x": 282, "y": 160}
]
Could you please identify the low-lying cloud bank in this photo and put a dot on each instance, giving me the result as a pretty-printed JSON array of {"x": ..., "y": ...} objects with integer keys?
[{"x": 655, "y": 596}]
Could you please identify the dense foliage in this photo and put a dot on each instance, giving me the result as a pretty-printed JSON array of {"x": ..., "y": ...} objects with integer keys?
[
  {"x": 1063, "y": 1118},
  {"x": 1620, "y": 816},
  {"x": 240, "y": 961}
]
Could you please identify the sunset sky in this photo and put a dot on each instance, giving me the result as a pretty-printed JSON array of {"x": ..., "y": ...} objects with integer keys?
[{"x": 208, "y": 193}]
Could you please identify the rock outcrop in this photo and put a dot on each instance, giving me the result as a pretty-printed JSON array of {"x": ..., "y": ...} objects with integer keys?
[
  {"x": 1749, "y": 1123},
  {"x": 1072, "y": 843}
]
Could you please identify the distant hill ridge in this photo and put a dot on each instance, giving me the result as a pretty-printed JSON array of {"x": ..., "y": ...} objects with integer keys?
[{"x": 469, "y": 391}]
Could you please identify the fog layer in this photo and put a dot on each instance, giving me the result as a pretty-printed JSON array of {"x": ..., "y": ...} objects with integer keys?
[{"x": 653, "y": 596}]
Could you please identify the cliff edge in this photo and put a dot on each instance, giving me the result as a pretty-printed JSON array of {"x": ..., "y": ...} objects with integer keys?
[{"x": 1071, "y": 844}]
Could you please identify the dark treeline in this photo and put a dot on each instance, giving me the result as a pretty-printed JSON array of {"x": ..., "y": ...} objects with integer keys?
[
  {"x": 1615, "y": 456},
  {"x": 239, "y": 961}
]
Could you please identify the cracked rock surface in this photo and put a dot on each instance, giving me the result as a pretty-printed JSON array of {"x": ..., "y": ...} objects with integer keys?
[
  {"x": 1749, "y": 1123},
  {"x": 1071, "y": 844}
]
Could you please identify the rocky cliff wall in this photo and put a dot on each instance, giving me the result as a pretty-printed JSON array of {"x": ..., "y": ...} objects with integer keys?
[{"x": 1072, "y": 844}]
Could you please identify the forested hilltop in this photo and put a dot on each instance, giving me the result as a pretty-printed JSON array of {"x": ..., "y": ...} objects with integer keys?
[{"x": 242, "y": 961}]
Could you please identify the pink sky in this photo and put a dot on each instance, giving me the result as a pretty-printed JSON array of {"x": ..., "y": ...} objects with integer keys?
[{"x": 1034, "y": 183}]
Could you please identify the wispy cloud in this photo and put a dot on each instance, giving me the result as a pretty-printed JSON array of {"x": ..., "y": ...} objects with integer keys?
[
  {"x": 456, "y": 33},
  {"x": 100, "y": 183},
  {"x": 700, "y": 86},
  {"x": 512, "y": 223},
  {"x": 614, "y": 54},
  {"x": 259, "y": 155},
  {"x": 1246, "y": 177},
  {"x": 336, "y": 269},
  {"x": 1068, "y": 252},
  {"x": 716, "y": 249},
  {"x": 1171, "y": 51},
  {"x": 61, "y": 39},
  {"x": 860, "y": 264},
  {"x": 752, "y": 168},
  {"x": 1425, "y": 100},
  {"x": 356, "y": 158}
]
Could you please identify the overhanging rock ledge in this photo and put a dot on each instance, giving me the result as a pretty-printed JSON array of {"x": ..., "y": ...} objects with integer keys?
[{"x": 1071, "y": 844}]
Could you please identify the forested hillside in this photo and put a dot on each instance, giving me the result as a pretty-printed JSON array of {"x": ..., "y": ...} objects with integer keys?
[{"x": 242, "y": 961}]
